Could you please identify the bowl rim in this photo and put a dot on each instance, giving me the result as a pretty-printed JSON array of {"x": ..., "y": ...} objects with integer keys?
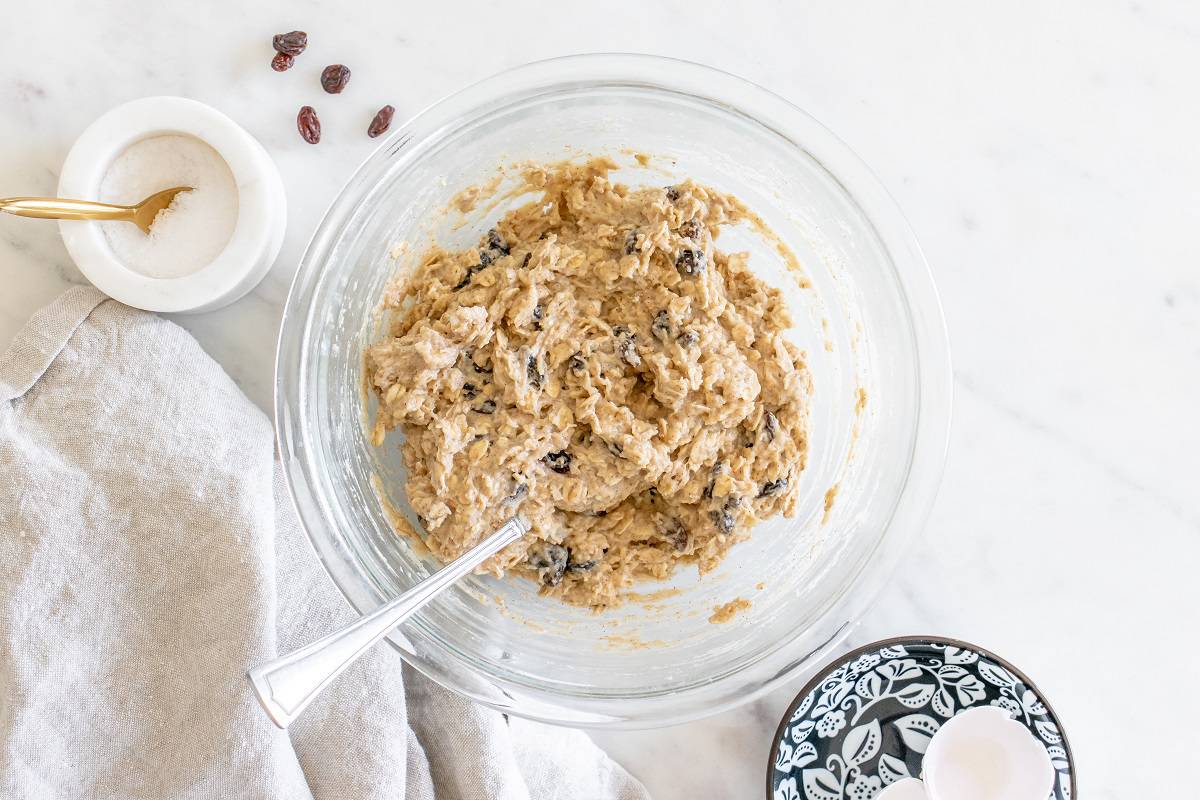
[
  {"x": 871, "y": 647},
  {"x": 912, "y": 502}
]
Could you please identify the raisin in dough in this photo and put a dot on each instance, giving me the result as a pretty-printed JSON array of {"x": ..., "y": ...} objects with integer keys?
[{"x": 598, "y": 366}]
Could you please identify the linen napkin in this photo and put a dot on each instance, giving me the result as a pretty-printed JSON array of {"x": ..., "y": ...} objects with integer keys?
[{"x": 149, "y": 556}]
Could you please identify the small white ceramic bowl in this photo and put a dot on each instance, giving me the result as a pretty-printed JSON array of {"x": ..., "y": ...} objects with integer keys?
[{"x": 262, "y": 206}]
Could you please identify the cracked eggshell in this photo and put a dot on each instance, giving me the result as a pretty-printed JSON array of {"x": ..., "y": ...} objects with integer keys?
[{"x": 984, "y": 754}]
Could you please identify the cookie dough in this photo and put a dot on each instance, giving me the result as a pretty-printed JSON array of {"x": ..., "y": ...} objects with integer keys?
[{"x": 599, "y": 367}]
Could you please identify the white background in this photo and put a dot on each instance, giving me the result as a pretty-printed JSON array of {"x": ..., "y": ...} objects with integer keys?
[{"x": 1048, "y": 157}]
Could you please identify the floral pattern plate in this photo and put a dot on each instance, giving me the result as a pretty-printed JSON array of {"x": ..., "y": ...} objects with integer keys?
[{"x": 864, "y": 722}]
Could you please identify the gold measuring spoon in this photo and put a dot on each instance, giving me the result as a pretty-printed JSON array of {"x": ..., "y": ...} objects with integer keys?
[{"x": 141, "y": 214}]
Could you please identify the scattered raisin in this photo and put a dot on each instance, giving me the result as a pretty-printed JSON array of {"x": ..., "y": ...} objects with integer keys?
[
  {"x": 466, "y": 278},
  {"x": 481, "y": 370},
  {"x": 551, "y": 563},
  {"x": 770, "y": 426},
  {"x": 772, "y": 488},
  {"x": 688, "y": 338},
  {"x": 470, "y": 391},
  {"x": 690, "y": 263},
  {"x": 661, "y": 326},
  {"x": 627, "y": 346},
  {"x": 631, "y": 240},
  {"x": 675, "y": 534},
  {"x": 309, "y": 125},
  {"x": 601, "y": 513},
  {"x": 525, "y": 261},
  {"x": 538, "y": 313},
  {"x": 496, "y": 242},
  {"x": 486, "y": 407},
  {"x": 282, "y": 62},
  {"x": 723, "y": 520},
  {"x": 581, "y": 566},
  {"x": 518, "y": 492},
  {"x": 381, "y": 122},
  {"x": 690, "y": 229},
  {"x": 717, "y": 469},
  {"x": 531, "y": 371},
  {"x": 560, "y": 462},
  {"x": 576, "y": 363},
  {"x": 334, "y": 78},
  {"x": 291, "y": 44},
  {"x": 672, "y": 193}
]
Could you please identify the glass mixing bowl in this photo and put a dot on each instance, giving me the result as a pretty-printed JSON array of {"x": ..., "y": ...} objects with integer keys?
[{"x": 869, "y": 320}]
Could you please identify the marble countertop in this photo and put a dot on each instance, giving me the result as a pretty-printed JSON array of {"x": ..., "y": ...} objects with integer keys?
[{"x": 1044, "y": 153}]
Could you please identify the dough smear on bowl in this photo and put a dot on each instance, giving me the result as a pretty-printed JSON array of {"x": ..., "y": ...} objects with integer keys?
[{"x": 597, "y": 365}]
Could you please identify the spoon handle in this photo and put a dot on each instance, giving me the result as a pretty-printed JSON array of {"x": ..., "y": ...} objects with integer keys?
[
  {"x": 56, "y": 208},
  {"x": 288, "y": 684}
]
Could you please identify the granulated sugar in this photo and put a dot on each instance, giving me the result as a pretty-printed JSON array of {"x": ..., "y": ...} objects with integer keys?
[{"x": 194, "y": 229}]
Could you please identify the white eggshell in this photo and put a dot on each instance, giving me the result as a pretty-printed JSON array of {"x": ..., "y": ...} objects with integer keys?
[
  {"x": 904, "y": 789},
  {"x": 984, "y": 754}
]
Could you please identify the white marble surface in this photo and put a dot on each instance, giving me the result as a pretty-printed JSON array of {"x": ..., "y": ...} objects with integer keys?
[{"x": 1045, "y": 153}]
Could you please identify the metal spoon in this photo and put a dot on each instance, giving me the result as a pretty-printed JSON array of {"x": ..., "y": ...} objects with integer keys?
[
  {"x": 141, "y": 214},
  {"x": 288, "y": 684}
]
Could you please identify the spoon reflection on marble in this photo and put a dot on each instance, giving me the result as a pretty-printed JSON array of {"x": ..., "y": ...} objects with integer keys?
[{"x": 288, "y": 684}]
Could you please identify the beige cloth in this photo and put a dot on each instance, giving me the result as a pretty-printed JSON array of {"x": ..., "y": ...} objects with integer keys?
[{"x": 149, "y": 557}]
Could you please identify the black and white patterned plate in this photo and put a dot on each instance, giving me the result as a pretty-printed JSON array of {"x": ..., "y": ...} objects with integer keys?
[{"x": 865, "y": 720}]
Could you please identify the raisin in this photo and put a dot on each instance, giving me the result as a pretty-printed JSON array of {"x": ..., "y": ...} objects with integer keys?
[
  {"x": 690, "y": 229},
  {"x": 291, "y": 44},
  {"x": 690, "y": 263},
  {"x": 486, "y": 407},
  {"x": 381, "y": 122},
  {"x": 652, "y": 493},
  {"x": 282, "y": 62},
  {"x": 334, "y": 78},
  {"x": 531, "y": 371},
  {"x": 496, "y": 242},
  {"x": 485, "y": 258},
  {"x": 723, "y": 521},
  {"x": 481, "y": 370},
  {"x": 518, "y": 492},
  {"x": 717, "y": 469},
  {"x": 538, "y": 314},
  {"x": 581, "y": 566},
  {"x": 601, "y": 513},
  {"x": 772, "y": 488},
  {"x": 661, "y": 326},
  {"x": 672, "y": 193},
  {"x": 525, "y": 262},
  {"x": 560, "y": 462},
  {"x": 770, "y": 426},
  {"x": 309, "y": 125},
  {"x": 688, "y": 338},
  {"x": 631, "y": 240},
  {"x": 470, "y": 273},
  {"x": 470, "y": 391},
  {"x": 551, "y": 563},
  {"x": 627, "y": 346},
  {"x": 576, "y": 363},
  {"x": 675, "y": 534}
]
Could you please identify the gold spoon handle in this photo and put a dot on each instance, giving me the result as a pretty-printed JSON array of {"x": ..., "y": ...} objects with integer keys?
[{"x": 56, "y": 208}]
